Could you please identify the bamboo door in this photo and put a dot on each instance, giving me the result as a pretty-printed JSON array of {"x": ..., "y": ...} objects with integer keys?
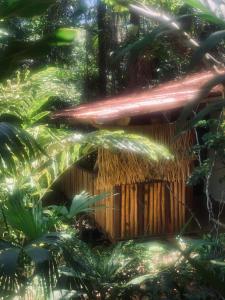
[{"x": 150, "y": 208}]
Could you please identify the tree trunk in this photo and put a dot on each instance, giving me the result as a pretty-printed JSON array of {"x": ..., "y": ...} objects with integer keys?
[
  {"x": 133, "y": 61},
  {"x": 102, "y": 48}
]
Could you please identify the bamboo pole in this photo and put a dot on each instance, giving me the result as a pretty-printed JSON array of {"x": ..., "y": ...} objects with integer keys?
[
  {"x": 163, "y": 208},
  {"x": 183, "y": 202},
  {"x": 172, "y": 207},
  {"x": 127, "y": 211},
  {"x": 123, "y": 215},
  {"x": 175, "y": 198},
  {"x": 155, "y": 209},
  {"x": 180, "y": 204},
  {"x": 151, "y": 199},
  {"x": 132, "y": 215},
  {"x": 146, "y": 209},
  {"x": 136, "y": 211},
  {"x": 159, "y": 203}
]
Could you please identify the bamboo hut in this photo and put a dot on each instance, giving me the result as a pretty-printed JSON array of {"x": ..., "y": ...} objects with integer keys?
[{"x": 149, "y": 198}]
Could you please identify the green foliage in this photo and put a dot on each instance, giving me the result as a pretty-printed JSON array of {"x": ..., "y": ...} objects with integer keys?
[
  {"x": 31, "y": 222},
  {"x": 18, "y": 51},
  {"x": 23, "y": 8},
  {"x": 25, "y": 103},
  {"x": 81, "y": 204},
  {"x": 16, "y": 146},
  {"x": 120, "y": 140},
  {"x": 102, "y": 273},
  {"x": 32, "y": 248},
  {"x": 209, "y": 11}
]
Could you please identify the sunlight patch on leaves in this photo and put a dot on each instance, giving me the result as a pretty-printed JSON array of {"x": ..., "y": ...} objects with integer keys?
[{"x": 122, "y": 141}]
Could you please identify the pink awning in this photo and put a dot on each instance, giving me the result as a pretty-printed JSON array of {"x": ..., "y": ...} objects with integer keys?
[{"x": 165, "y": 97}]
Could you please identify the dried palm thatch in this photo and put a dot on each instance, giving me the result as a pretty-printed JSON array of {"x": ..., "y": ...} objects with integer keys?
[{"x": 115, "y": 168}]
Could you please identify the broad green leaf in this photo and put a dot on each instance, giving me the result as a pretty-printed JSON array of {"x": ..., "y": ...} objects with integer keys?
[
  {"x": 197, "y": 4},
  {"x": 66, "y": 34}
]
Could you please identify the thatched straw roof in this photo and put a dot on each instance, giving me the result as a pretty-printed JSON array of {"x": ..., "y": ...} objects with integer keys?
[{"x": 126, "y": 167}]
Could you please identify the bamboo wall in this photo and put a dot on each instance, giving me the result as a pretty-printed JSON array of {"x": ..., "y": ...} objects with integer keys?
[
  {"x": 77, "y": 180},
  {"x": 151, "y": 208},
  {"x": 136, "y": 210}
]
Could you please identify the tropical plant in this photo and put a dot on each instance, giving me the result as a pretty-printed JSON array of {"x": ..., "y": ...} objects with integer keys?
[
  {"x": 34, "y": 244},
  {"x": 17, "y": 145},
  {"x": 16, "y": 51},
  {"x": 103, "y": 274}
]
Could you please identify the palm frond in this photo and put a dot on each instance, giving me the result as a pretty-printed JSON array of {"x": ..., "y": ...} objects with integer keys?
[
  {"x": 16, "y": 147},
  {"x": 81, "y": 203},
  {"x": 120, "y": 140},
  {"x": 28, "y": 220}
]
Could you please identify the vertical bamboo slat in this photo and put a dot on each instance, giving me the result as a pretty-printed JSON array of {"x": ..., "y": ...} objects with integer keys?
[
  {"x": 151, "y": 207},
  {"x": 155, "y": 208},
  {"x": 131, "y": 201},
  {"x": 163, "y": 207},
  {"x": 176, "y": 221},
  {"x": 127, "y": 211},
  {"x": 183, "y": 203},
  {"x": 116, "y": 233},
  {"x": 159, "y": 203},
  {"x": 123, "y": 215},
  {"x": 171, "y": 207},
  {"x": 180, "y": 201},
  {"x": 135, "y": 211},
  {"x": 146, "y": 208}
]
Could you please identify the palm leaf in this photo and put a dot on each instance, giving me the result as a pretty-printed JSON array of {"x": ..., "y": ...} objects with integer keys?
[
  {"x": 122, "y": 141},
  {"x": 81, "y": 203},
  {"x": 16, "y": 146},
  {"x": 29, "y": 221}
]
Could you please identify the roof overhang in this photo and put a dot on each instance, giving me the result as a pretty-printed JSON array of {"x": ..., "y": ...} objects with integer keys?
[{"x": 160, "y": 99}]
